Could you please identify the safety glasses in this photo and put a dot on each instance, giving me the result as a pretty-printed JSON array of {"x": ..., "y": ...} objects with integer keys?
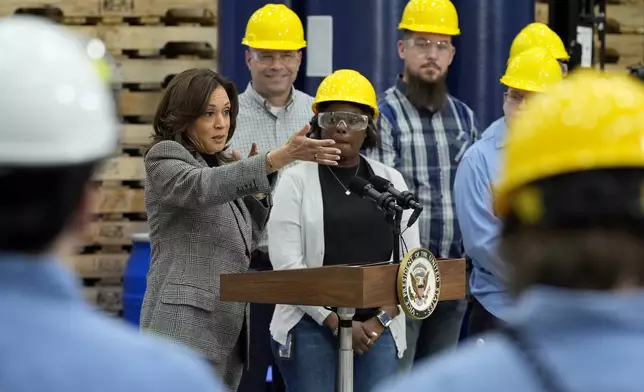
[{"x": 347, "y": 120}]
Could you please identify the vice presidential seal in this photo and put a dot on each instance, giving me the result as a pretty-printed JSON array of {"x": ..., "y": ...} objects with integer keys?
[{"x": 418, "y": 283}]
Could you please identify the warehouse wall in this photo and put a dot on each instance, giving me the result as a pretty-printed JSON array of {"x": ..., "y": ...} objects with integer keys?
[{"x": 625, "y": 32}]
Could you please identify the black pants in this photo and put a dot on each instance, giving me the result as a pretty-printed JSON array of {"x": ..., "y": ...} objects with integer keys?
[
  {"x": 480, "y": 320},
  {"x": 261, "y": 356}
]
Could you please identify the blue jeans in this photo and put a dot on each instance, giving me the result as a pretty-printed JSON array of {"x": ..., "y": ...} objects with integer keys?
[{"x": 314, "y": 360}]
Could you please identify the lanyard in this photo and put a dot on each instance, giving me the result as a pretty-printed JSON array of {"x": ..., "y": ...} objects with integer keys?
[{"x": 546, "y": 378}]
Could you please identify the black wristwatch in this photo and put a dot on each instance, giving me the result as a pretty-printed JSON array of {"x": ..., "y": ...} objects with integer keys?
[{"x": 384, "y": 318}]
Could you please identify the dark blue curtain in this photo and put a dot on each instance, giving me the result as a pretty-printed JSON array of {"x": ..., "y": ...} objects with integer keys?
[
  {"x": 364, "y": 38},
  {"x": 487, "y": 30}
]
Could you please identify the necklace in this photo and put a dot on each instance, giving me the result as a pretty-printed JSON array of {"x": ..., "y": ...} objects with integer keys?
[{"x": 346, "y": 191}]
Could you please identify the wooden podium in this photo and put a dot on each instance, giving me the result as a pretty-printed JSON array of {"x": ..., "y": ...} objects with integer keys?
[{"x": 346, "y": 287}]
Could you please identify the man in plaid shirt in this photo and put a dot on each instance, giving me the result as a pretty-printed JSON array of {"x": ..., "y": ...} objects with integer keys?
[{"x": 424, "y": 133}]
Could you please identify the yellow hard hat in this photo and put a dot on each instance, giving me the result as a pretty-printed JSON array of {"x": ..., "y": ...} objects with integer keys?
[
  {"x": 430, "y": 16},
  {"x": 274, "y": 27},
  {"x": 588, "y": 121},
  {"x": 533, "y": 70},
  {"x": 539, "y": 34},
  {"x": 346, "y": 85}
]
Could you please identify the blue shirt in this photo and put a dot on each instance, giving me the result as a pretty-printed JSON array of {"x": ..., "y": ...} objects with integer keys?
[
  {"x": 589, "y": 341},
  {"x": 480, "y": 227},
  {"x": 426, "y": 148},
  {"x": 50, "y": 340}
]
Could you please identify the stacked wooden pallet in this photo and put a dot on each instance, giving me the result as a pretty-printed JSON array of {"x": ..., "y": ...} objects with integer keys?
[
  {"x": 151, "y": 40},
  {"x": 625, "y": 32}
]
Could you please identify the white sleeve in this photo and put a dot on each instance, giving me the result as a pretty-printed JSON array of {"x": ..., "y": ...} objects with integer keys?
[{"x": 285, "y": 246}]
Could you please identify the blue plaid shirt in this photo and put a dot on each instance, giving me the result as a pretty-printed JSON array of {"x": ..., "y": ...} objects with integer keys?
[{"x": 426, "y": 148}]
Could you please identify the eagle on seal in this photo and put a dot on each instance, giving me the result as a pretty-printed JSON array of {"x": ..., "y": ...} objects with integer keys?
[{"x": 419, "y": 280}]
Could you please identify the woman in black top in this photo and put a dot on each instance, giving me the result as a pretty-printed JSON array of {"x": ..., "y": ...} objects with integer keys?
[{"x": 317, "y": 221}]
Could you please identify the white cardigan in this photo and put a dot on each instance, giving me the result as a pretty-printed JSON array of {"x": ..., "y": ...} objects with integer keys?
[{"x": 296, "y": 239}]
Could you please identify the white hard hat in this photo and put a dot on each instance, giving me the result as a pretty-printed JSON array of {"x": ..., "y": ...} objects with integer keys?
[{"x": 56, "y": 105}]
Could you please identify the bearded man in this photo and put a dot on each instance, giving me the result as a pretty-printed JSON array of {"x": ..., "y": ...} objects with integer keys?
[{"x": 424, "y": 133}]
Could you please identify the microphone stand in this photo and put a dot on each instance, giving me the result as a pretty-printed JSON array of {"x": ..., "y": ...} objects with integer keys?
[
  {"x": 396, "y": 232},
  {"x": 395, "y": 219},
  {"x": 344, "y": 378}
]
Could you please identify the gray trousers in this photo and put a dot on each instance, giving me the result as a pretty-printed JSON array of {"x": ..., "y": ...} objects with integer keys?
[{"x": 438, "y": 332}]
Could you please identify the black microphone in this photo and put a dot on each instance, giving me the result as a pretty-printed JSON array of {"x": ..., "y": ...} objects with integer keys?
[
  {"x": 405, "y": 199},
  {"x": 414, "y": 216},
  {"x": 384, "y": 200}
]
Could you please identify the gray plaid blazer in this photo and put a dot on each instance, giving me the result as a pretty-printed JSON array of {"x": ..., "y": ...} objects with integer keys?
[{"x": 203, "y": 223}]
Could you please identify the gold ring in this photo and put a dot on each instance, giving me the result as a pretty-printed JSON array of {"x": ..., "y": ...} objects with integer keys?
[{"x": 315, "y": 156}]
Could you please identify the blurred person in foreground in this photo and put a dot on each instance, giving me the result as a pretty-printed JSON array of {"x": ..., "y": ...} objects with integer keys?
[
  {"x": 59, "y": 124},
  {"x": 570, "y": 200},
  {"x": 424, "y": 132},
  {"x": 530, "y": 72},
  {"x": 316, "y": 222},
  {"x": 270, "y": 110},
  {"x": 207, "y": 208}
]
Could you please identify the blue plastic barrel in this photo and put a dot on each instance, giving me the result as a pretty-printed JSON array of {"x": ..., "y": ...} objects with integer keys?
[{"x": 135, "y": 278}]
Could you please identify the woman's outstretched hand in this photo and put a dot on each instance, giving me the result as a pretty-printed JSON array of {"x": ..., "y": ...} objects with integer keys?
[{"x": 299, "y": 147}]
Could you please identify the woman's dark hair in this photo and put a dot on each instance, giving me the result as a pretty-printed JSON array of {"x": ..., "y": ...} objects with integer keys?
[
  {"x": 587, "y": 237},
  {"x": 372, "y": 133},
  {"x": 185, "y": 99}
]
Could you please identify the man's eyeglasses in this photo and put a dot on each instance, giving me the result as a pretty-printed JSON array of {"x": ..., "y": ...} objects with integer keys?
[
  {"x": 267, "y": 58},
  {"x": 425, "y": 45},
  {"x": 514, "y": 97}
]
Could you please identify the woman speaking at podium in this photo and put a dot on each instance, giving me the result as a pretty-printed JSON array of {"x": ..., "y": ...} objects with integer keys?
[
  {"x": 316, "y": 221},
  {"x": 206, "y": 207}
]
